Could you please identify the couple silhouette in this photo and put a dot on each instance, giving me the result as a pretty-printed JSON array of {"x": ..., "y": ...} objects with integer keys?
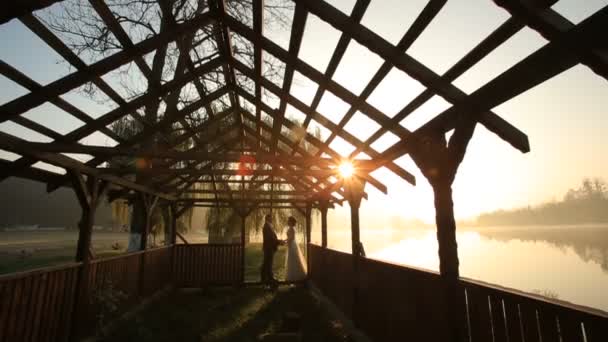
[{"x": 294, "y": 261}]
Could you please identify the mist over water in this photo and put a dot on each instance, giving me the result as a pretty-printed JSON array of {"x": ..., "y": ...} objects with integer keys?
[{"x": 570, "y": 262}]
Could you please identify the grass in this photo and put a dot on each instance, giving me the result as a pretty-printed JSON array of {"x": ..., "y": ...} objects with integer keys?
[
  {"x": 227, "y": 314},
  {"x": 56, "y": 248},
  {"x": 253, "y": 262},
  {"x": 15, "y": 262}
]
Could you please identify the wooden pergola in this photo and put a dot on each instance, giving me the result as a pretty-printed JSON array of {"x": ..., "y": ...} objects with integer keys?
[{"x": 256, "y": 154}]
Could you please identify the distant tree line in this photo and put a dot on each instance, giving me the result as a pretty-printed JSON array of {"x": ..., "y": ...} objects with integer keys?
[{"x": 588, "y": 203}]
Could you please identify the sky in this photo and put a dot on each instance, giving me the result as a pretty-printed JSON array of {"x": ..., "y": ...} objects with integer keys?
[{"x": 564, "y": 118}]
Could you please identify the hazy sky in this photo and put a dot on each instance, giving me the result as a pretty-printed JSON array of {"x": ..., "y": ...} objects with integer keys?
[{"x": 565, "y": 118}]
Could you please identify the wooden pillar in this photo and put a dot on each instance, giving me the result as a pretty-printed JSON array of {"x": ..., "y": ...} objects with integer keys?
[
  {"x": 439, "y": 160},
  {"x": 89, "y": 194},
  {"x": 324, "y": 206},
  {"x": 173, "y": 213},
  {"x": 174, "y": 218},
  {"x": 308, "y": 222},
  {"x": 354, "y": 193}
]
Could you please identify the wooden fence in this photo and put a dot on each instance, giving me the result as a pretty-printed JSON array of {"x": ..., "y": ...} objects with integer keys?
[
  {"x": 39, "y": 305},
  {"x": 198, "y": 265},
  {"x": 397, "y": 303}
]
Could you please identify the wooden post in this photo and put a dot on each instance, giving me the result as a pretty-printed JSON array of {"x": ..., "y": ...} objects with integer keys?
[
  {"x": 173, "y": 213},
  {"x": 354, "y": 193},
  {"x": 439, "y": 163},
  {"x": 308, "y": 234},
  {"x": 324, "y": 206},
  {"x": 174, "y": 217},
  {"x": 88, "y": 194}
]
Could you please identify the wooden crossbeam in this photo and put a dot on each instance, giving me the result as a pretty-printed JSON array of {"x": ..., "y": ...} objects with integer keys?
[
  {"x": 295, "y": 41},
  {"x": 545, "y": 63},
  {"x": 120, "y": 112},
  {"x": 20, "y": 146},
  {"x": 237, "y": 201},
  {"x": 16, "y": 9},
  {"x": 74, "y": 80},
  {"x": 552, "y": 25},
  {"x": 331, "y": 85},
  {"x": 170, "y": 119},
  {"x": 310, "y": 138},
  {"x": 356, "y": 14},
  {"x": 249, "y": 192},
  {"x": 219, "y": 172},
  {"x": 410, "y": 66},
  {"x": 258, "y": 28},
  {"x": 425, "y": 17},
  {"x": 31, "y": 85},
  {"x": 505, "y": 31}
]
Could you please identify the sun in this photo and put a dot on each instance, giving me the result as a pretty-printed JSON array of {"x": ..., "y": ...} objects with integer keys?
[{"x": 346, "y": 169}]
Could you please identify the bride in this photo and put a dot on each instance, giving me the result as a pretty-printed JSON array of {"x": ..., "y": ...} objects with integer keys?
[{"x": 295, "y": 266}]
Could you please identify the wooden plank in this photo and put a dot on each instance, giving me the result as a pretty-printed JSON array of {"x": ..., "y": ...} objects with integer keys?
[
  {"x": 596, "y": 329},
  {"x": 513, "y": 321},
  {"x": 548, "y": 325},
  {"x": 570, "y": 328},
  {"x": 529, "y": 322},
  {"x": 498, "y": 319},
  {"x": 479, "y": 315}
]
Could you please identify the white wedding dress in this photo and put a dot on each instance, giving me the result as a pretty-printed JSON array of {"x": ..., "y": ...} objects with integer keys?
[{"x": 294, "y": 261}]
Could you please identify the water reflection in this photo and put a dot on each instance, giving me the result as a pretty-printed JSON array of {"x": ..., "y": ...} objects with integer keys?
[{"x": 571, "y": 262}]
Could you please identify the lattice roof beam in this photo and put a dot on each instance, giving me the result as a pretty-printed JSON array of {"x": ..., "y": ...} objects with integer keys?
[
  {"x": 296, "y": 103},
  {"x": 505, "y": 31},
  {"x": 356, "y": 14},
  {"x": 319, "y": 78},
  {"x": 552, "y": 25},
  {"x": 19, "y": 146},
  {"x": 184, "y": 48},
  {"x": 547, "y": 62},
  {"x": 295, "y": 41},
  {"x": 263, "y": 139},
  {"x": 31, "y": 85},
  {"x": 225, "y": 46},
  {"x": 425, "y": 17},
  {"x": 258, "y": 28},
  {"x": 169, "y": 120},
  {"x": 16, "y": 9},
  {"x": 412, "y": 67},
  {"x": 34, "y": 25},
  {"x": 80, "y": 77}
]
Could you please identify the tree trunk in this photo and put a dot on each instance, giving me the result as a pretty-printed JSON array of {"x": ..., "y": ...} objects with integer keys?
[
  {"x": 167, "y": 224},
  {"x": 138, "y": 223}
]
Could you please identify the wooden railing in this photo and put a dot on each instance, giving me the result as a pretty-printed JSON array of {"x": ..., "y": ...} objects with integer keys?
[
  {"x": 37, "y": 305},
  {"x": 397, "y": 303},
  {"x": 198, "y": 265}
]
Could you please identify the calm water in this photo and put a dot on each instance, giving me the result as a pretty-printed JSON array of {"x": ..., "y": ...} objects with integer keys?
[{"x": 567, "y": 261}]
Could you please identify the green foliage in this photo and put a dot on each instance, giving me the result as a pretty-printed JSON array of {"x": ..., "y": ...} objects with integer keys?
[{"x": 107, "y": 299}]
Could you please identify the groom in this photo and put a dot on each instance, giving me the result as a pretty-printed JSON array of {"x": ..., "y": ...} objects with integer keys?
[{"x": 269, "y": 246}]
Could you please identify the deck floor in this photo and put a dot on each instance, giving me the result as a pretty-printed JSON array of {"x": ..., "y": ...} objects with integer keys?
[{"x": 229, "y": 314}]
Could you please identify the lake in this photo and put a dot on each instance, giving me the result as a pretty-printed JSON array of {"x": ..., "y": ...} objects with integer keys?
[{"x": 570, "y": 262}]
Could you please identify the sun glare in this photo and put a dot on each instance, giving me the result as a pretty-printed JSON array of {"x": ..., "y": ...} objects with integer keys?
[{"x": 346, "y": 169}]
